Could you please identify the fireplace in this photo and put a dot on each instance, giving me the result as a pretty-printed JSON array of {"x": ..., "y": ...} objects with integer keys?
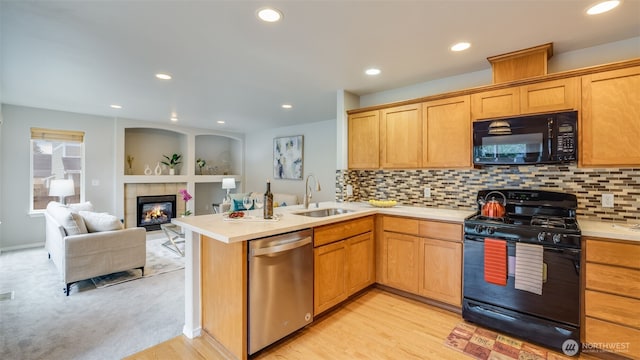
[{"x": 155, "y": 210}]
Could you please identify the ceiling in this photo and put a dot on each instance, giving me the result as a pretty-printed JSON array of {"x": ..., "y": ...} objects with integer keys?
[{"x": 82, "y": 56}]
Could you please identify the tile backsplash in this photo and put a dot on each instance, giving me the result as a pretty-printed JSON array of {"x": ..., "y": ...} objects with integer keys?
[{"x": 457, "y": 188}]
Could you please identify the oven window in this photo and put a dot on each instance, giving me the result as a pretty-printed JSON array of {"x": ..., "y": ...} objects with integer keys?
[{"x": 518, "y": 148}]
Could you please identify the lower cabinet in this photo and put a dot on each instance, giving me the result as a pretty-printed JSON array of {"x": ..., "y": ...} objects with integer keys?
[
  {"x": 344, "y": 261},
  {"x": 612, "y": 294},
  {"x": 441, "y": 271},
  {"x": 422, "y": 257}
]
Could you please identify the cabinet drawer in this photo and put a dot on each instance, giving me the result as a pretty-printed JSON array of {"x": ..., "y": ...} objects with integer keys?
[
  {"x": 400, "y": 225},
  {"x": 604, "y": 332},
  {"x": 333, "y": 232},
  {"x": 612, "y": 279},
  {"x": 440, "y": 230},
  {"x": 613, "y": 253},
  {"x": 618, "y": 309}
]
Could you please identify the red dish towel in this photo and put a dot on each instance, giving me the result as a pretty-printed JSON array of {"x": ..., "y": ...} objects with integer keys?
[{"x": 495, "y": 261}]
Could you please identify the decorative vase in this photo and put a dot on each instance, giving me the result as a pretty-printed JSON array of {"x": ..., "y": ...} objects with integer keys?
[
  {"x": 158, "y": 169},
  {"x": 147, "y": 169},
  {"x": 172, "y": 171}
]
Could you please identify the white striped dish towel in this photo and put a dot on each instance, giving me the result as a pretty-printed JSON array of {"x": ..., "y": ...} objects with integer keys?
[{"x": 529, "y": 259}]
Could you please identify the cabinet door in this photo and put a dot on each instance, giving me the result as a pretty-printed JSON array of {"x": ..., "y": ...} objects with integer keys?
[
  {"x": 563, "y": 94},
  {"x": 441, "y": 272},
  {"x": 495, "y": 103},
  {"x": 330, "y": 276},
  {"x": 400, "y": 261},
  {"x": 361, "y": 260},
  {"x": 401, "y": 137},
  {"x": 446, "y": 137},
  {"x": 611, "y": 118},
  {"x": 364, "y": 140}
]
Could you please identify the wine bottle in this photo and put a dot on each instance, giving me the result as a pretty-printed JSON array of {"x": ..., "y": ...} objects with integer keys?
[{"x": 268, "y": 202}]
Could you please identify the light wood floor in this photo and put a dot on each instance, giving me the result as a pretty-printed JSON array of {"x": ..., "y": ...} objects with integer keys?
[{"x": 376, "y": 325}]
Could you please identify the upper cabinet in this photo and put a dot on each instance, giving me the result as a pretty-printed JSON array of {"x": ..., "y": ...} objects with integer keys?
[
  {"x": 446, "y": 133},
  {"x": 401, "y": 137},
  {"x": 435, "y": 131},
  {"x": 555, "y": 95},
  {"x": 610, "y": 126},
  {"x": 364, "y": 140}
]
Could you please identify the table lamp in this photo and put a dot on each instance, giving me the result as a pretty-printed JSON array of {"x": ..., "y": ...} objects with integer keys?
[
  {"x": 228, "y": 183},
  {"x": 61, "y": 188}
]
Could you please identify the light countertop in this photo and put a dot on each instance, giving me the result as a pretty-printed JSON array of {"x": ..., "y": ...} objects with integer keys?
[
  {"x": 215, "y": 226},
  {"x": 229, "y": 231},
  {"x": 608, "y": 230}
]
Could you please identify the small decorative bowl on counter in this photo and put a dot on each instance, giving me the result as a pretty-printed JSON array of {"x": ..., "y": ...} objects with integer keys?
[{"x": 383, "y": 203}]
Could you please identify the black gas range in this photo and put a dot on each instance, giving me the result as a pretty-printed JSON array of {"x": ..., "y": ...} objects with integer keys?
[
  {"x": 542, "y": 222},
  {"x": 532, "y": 216}
]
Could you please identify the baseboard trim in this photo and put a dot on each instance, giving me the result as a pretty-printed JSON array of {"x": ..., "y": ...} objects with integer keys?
[
  {"x": 21, "y": 247},
  {"x": 192, "y": 333}
]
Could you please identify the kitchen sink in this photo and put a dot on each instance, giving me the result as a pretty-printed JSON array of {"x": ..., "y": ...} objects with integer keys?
[{"x": 323, "y": 212}]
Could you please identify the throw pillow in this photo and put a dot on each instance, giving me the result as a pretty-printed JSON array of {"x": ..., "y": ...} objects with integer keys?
[
  {"x": 72, "y": 223},
  {"x": 96, "y": 222},
  {"x": 239, "y": 206},
  {"x": 85, "y": 206}
]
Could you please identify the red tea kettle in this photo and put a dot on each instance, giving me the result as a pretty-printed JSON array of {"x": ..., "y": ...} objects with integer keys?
[{"x": 493, "y": 208}]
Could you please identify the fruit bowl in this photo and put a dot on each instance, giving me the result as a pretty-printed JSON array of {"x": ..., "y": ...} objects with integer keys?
[{"x": 383, "y": 203}]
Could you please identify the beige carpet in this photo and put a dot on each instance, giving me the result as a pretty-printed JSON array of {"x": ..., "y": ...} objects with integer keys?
[{"x": 160, "y": 260}]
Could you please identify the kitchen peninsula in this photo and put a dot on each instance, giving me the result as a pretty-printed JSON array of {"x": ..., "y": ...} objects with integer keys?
[{"x": 216, "y": 262}]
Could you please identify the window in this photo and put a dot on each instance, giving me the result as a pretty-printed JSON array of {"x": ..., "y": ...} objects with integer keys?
[{"x": 57, "y": 167}]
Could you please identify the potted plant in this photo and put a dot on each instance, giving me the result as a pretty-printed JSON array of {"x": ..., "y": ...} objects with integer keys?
[
  {"x": 172, "y": 162},
  {"x": 201, "y": 163}
]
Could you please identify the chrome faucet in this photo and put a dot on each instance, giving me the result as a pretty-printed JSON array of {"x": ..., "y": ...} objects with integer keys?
[{"x": 307, "y": 190}]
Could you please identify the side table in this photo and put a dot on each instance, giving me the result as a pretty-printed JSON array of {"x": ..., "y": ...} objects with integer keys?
[{"x": 175, "y": 235}]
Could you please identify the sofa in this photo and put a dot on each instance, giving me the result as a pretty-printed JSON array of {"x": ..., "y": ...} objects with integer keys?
[
  {"x": 279, "y": 199},
  {"x": 84, "y": 244}
]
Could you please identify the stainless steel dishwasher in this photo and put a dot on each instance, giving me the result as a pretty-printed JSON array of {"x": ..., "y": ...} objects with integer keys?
[{"x": 280, "y": 287}]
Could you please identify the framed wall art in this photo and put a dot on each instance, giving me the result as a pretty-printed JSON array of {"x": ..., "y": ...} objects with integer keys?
[{"x": 288, "y": 157}]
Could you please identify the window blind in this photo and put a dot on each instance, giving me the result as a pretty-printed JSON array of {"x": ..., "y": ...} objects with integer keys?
[{"x": 57, "y": 135}]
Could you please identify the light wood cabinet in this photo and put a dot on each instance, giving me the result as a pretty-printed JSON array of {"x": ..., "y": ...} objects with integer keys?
[
  {"x": 554, "y": 95},
  {"x": 446, "y": 136},
  {"x": 361, "y": 262},
  {"x": 400, "y": 262},
  {"x": 423, "y": 257},
  {"x": 495, "y": 103},
  {"x": 330, "y": 276},
  {"x": 610, "y": 118},
  {"x": 440, "y": 275},
  {"x": 401, "y": 137},
  {"x": 364, "y": 140},
  {"x": 612, "y": 293},
  {"x": 344, "y": 261}
]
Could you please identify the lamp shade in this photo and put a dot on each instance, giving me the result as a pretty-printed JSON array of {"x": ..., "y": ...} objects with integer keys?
[
  {"x": 228, "y": 183},
  {"x": 61, "y": 187}
]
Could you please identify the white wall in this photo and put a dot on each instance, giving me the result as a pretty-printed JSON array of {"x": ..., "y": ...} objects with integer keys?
[
  {"x": 597, "y": 55},
  {"x": 319, "y": 159},
  {"x": 19, "y": 228}
]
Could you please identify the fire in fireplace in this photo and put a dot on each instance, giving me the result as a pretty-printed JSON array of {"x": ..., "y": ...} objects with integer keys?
[{"x": 154, "y": 211}]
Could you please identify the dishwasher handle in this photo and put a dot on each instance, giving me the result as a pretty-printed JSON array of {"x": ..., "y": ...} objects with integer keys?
[{"x": 280, "y": 248}]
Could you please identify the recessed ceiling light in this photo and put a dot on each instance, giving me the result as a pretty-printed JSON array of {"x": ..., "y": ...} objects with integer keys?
[
  {"x": 116, "y": 106},
  {"x": 603, "y": 7},
  {"x": 269, "y": 14},
  {"x": 220, "y": 121},
  {"x": 372, "y": 71},
  {"x": 460, "y": 46},
  {"x": 162, "y": 76},
  {"x": 174, "y": 118},
  {"x": 287, "y": 106}
]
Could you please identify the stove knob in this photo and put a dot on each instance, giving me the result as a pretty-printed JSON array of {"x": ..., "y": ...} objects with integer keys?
[
  {"x": 556, "y": 238},
  {"x": 479, "y": 228},
  {"x": 541, "y": 236},
  {"x": 490, "y": 230}
]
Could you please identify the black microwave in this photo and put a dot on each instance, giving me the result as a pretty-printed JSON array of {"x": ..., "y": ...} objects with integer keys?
[{"x": 532, "y": 139}]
